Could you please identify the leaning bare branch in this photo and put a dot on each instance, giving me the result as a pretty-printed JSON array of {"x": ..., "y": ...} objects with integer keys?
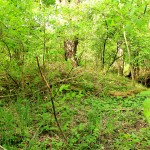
[{"x": 51, "y": 98}]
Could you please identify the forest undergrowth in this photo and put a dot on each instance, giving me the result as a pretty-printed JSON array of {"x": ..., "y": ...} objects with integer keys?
[{"x": 95, "y": 111}]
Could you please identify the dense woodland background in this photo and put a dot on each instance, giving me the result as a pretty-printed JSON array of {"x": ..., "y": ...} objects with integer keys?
[{"x": 74, "y": 74}]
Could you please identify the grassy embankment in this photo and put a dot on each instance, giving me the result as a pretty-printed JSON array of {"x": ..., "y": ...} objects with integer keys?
[{"x": 95, "y": 111}]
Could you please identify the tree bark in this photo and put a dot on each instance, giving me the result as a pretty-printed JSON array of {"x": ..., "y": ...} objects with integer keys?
[{"x": 70, "y": 47}]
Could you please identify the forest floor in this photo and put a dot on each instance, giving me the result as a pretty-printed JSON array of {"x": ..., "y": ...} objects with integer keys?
[{"x": 95, "y": 112}]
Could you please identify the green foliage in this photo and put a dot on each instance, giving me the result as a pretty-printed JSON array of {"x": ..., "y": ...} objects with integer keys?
[
  {"x": 49, "y": 2},
  {"x": 146, "y": 104},
  {"x": 95, "y": 110},
  {"x": 88, "y": 121},
  {"x": 147, "y": 109}
]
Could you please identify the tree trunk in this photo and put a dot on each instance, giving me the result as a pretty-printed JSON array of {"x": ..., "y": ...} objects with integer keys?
[
  {"x": 129, "y": 57},
  {"x": 70, "y": 47},
  {"x": 103, "y": 55},
  {"x": 120, "y": 59}
]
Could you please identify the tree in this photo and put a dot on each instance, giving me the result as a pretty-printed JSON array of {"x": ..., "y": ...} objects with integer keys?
[{"x": 70, "y": 46}]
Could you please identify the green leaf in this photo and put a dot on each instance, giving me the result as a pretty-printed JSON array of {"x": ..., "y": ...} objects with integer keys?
[
  {"x": 146, "y": 112},
  {"x": 64, "y": 87}
]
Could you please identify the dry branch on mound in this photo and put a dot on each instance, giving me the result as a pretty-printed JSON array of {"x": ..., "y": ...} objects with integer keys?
[{"x": 124, "y": 94}]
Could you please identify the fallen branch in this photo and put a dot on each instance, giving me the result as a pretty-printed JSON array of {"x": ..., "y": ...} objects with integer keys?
[
  {"x": 67, "y": 79},
  {"x": 2, "y": 148},
  {"x": 8, "y": 96},
  {"x": 123, "y": 109},
  {"x": 13, "y": 79}
]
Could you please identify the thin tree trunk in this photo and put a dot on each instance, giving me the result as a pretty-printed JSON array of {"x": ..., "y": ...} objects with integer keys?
[
  {"x": 44, "y": 44},
  {"x": 103, "y": 54},
  {"x": 104, "y": 45},
  {"x": 129, "y": 56}
]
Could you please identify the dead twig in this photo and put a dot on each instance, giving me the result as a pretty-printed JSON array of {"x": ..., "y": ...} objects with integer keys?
[
  {"x": 51, "y": 99},
  {"x": 13, "y": 79},
  {"x": 67, "y": 79},
  {"x": 8, "y": 96},
  {"x": 122, "y": 109}
]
